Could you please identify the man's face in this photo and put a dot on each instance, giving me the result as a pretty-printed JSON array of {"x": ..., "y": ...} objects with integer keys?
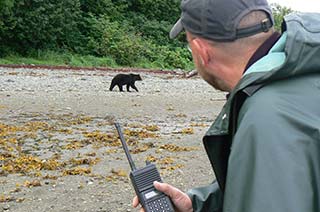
[
  {"x": 209, "y": 76},
  {"x": 208, "y": 72}
]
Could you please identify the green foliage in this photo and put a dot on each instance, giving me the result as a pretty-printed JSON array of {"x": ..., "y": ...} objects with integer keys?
[
  {"x": 98, "y": 33},
  {"x": 278, "y": 13},
  {"x": 160, "y": 10},
  {"x": 42, "y": 24},
  {"x": 5, "y": 25},
  {"x": 128, "y": 48},
  {"x": 124, "y": 46},
  {"x": 5, "y": 7},
  {"x": 177, "y": 58},
  {"x": 104, "y": 7}
]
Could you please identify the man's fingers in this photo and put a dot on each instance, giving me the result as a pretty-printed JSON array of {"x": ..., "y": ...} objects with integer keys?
[
  {"x": 171, "y": 191},
  {"x": 181, "y": 201},
  {"x": 135, "y": 202}
]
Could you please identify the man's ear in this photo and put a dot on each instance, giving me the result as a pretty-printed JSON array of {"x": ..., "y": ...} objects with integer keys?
[{"x": 201, "y": 47}]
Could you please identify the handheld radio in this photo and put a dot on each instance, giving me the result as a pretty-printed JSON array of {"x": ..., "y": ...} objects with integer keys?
[{"x": 142, "y": 180}]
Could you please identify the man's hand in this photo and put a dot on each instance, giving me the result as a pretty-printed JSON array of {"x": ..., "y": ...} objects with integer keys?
[{"x": 180, "y": 200}]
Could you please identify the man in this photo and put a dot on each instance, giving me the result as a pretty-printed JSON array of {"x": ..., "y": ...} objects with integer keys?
[{"x": 264, "y": 146}]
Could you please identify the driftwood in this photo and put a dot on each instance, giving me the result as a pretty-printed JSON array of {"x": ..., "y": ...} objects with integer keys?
[{"x": 191, "y": 73}]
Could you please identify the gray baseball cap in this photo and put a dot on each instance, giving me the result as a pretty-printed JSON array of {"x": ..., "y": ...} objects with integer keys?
[{"x": 219, "y": 19}]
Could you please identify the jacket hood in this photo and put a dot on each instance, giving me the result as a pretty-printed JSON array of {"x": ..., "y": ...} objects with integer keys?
[
  {"x": 297, "y": 51},
  {"x": 303, "y": 44}
]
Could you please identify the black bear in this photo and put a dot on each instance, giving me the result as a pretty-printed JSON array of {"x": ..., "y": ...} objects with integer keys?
[{"x": 125, "y": 79}]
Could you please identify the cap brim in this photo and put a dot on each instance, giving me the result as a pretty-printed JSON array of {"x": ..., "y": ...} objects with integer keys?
[{"x": 176, "y": 29}]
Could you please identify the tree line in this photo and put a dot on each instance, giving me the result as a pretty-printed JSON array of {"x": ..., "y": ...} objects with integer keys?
[{"x": 125, "y": 32}]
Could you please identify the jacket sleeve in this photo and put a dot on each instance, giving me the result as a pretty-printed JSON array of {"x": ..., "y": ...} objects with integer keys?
[{"x": 207, "y": 198}]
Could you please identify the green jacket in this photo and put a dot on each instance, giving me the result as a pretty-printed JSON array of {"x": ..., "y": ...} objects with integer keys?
[{"x": 264, "y": 146}]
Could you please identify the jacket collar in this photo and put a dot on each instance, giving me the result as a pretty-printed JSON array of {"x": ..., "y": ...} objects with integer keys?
[{"x": 263, "y": 49}]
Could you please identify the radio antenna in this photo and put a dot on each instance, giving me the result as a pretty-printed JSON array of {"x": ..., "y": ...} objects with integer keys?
[{"x": 125, "y": 147}]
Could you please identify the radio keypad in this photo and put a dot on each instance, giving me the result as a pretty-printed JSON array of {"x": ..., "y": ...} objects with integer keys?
[{"x": 159, "y": 205}]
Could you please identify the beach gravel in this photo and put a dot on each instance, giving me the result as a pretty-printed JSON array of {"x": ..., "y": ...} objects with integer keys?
[{"x": 59, "y": 150}]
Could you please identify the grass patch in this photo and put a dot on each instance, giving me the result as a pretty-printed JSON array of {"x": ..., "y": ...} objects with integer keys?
[
  {"x": 55, "y": 58},
  {"x": 76, "y": 60}
]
